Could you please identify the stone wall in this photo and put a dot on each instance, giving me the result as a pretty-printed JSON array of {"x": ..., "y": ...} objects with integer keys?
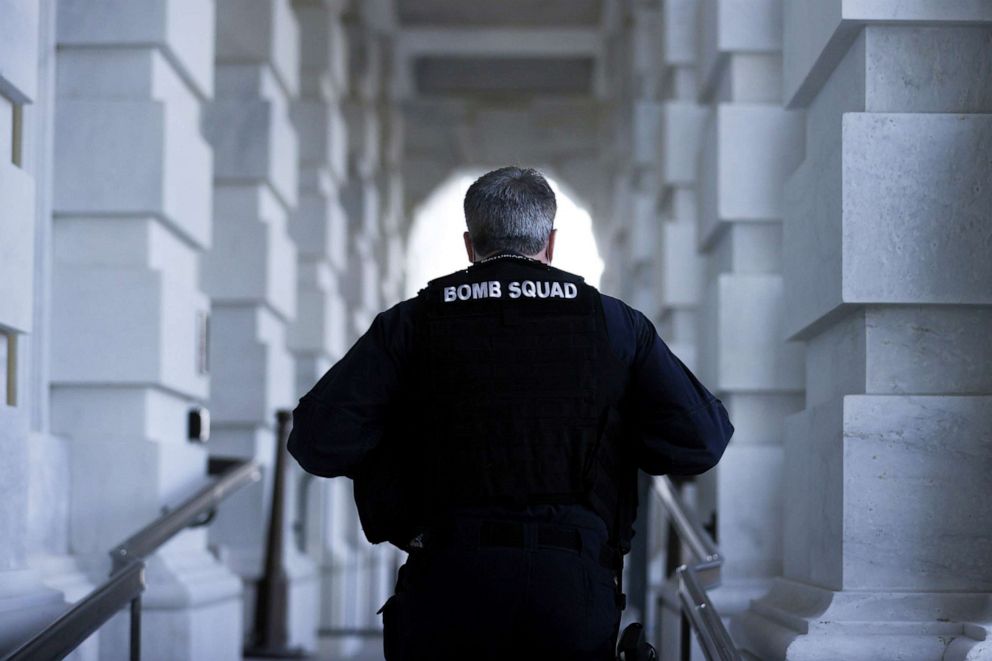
[
  {"x": 173, "y": 237},
  {"x": 203, "y": 204},
  {"x": 887, "y": 282}
]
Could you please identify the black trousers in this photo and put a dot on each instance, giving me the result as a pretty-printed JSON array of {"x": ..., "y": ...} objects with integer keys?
[{"x": 464, "y": 597}]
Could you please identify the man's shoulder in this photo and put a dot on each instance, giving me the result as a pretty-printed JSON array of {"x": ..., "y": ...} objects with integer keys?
[
  {"x": 631, "y": 332},
  {"x": 613, "y": 306}
]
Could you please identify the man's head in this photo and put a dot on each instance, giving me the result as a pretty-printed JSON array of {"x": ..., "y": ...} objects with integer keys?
[{"x": 510, "y": 210}]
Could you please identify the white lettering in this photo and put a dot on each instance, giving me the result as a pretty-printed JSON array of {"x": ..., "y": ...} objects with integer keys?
[
  {"x": 556, "y": 291},
  {"x": 528, "y": 289},
  {"x": 449, "y": 294},
  {"x": 495, "y": 291},
  {"x": 571, "y": 291},
  {"x": 464, "y": 292},
  {"x": 480, "y": 290},
  {"x": 543, "y": 293},
  {"x": 514, "y": 288}
]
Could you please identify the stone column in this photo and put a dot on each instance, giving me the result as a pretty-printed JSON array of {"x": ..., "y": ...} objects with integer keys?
[
  {"x": 681, "y": 273},
  {"x": 889, "y": 284},
  {"x": 747, "y": 147},
  {"x": 251, "y": 276},
  {"x": 26, "y": 69},
  {"x": 132, "y": 216},
  {"x": 358, "y": 577},
  {"x": 682, "y": 268},
  {"x": 321, "y": 332}
]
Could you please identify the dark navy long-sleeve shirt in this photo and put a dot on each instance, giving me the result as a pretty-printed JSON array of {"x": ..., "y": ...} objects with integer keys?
[{"x": 678, "y": 427}]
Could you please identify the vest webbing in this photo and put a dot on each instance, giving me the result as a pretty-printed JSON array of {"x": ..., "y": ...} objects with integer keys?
[{"x": 520, "y": 390}]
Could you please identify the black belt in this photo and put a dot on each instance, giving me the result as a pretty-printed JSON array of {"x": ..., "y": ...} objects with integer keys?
[{"x": 511, "y": 534}]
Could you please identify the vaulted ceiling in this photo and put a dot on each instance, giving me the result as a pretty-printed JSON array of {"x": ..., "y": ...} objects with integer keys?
[{"x": 486, "y": 82}]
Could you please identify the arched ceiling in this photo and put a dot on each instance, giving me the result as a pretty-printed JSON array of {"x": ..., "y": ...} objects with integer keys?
[{"x": 484, "y": 83}]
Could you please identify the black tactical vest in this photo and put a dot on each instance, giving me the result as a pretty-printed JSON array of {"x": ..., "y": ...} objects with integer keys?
[{"x": 519, "y": 392}]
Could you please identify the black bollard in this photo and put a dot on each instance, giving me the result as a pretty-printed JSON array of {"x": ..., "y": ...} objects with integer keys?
[{"x": 270, "y": 637}]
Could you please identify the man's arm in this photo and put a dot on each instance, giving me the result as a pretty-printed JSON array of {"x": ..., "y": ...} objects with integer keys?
[
  {"x": 344, "y": 416},
  {"x": 678, "y": 426}
]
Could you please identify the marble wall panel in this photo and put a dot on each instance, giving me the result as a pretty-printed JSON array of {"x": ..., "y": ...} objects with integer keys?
[
  {"x": 17, "y": 193},
  {"x": 752, "y": 354},
  {"x": 749, "y": 505},
  {"x": 904, "y": 526},
  {"x": 181, "y": 29},
  {"x": 154, "y": 343},
  {"x": 254, "y": 259},
  {"x": 254, "y": 140},
  {"x": 682, "y": 124},
  {"x": 19, "y": 55},
  {"x": 249, "y": 353},
  {"x": 260, "y": 31},
  {"x": 813, "y": 525},
  {"x": 916, "y": 198},
  {"x": 818, "y": 34},
  {"x": 124, "y": 157},
  {"x": 682, "y": 268},
  {"x": 679, "y": 33},
  {"x": 757, "y": 417}
]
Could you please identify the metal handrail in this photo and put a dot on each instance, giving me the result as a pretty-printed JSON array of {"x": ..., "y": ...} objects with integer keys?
[
  {"x": 147, "y": 540},
  {"x": 69, "y": 631},
  {"x": 695, "y": 577},
  {"x": 127, "y": 578}
]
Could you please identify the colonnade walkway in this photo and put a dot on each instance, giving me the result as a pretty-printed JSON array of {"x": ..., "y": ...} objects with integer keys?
[{"x": 203, "y": 203}]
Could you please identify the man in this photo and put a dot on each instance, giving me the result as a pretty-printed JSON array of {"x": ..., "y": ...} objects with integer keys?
[{"x": 494, "y": 426}]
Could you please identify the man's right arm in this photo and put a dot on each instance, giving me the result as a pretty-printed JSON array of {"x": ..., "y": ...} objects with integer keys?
[{"x": 678, "y": 426}]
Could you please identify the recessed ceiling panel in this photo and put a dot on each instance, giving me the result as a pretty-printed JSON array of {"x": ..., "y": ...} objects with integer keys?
[
  {"x": 517, "y": 13},
  {"x": 468, "y": 75}
]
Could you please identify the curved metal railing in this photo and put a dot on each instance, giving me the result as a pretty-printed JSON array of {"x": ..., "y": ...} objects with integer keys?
[
  {"x": 127, "y": 575},
  {"x": 699, "y": 572}
]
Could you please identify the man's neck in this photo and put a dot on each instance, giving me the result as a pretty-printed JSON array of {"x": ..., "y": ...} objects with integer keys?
[{"x": 539, "y": 257}]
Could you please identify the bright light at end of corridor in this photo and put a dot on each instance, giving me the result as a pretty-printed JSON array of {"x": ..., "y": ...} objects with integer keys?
[{"x": 436, "y": 247}]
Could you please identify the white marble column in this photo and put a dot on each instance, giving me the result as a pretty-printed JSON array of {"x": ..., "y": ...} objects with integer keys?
[
  {"x": 358, "y": 577},
  {"x": 251, "y": 275},
  {"x": 889, "y": 284},
  {"x": 322, "y": 331},
  {"x": 681, "y": 276},
  {"x": 132, "y": 216},
  {"x": 26, "y": 71},
  {"x": 748, "y": 144}
]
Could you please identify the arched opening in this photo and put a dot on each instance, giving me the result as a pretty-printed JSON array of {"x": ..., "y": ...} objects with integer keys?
[{"x": 435, "y": 245}]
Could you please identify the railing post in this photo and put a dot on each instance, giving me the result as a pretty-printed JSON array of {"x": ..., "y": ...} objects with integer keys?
[
  {"x": 685, "y": 638},
  {"x": 136, "y": 629},
  {"x": 271, "y": 635}
]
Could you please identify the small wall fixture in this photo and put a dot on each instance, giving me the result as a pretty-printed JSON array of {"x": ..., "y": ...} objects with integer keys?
[{"x": 198, "y": 425}]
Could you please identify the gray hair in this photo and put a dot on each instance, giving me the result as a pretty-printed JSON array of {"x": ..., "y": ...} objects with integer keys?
[{"x": 510, "y": 209}]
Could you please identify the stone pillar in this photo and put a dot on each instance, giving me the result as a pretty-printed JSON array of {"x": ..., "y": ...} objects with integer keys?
[
  {"x": 358, "y": 577},
  {"x": 26, "y": 70},
  {"x": 252, "y": 277},
  {"x": 889, "y": 284},
  {"x": 132, "y": 216},
  {"x": 321, "y": 332},
  {"x": 748, "y": 145},
  {"x": 682, "y": 269},
  {"x": 680, "y": 278}
]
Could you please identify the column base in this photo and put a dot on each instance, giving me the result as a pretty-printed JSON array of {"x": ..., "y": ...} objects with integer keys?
[
  {"x": 26, "y": 606},
  {"x": 191, "y": 607},
  {"x": 63, "y": 573},
  {"x": 801, "y": 622}
]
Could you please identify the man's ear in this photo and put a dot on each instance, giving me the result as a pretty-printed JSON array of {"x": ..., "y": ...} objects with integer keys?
[
  {"x": 469, "y": 248},
  {"x": 550, "y": 250}
]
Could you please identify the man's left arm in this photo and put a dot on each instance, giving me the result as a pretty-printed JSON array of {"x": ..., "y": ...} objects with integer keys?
[{"x": 344, "y": 416}]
